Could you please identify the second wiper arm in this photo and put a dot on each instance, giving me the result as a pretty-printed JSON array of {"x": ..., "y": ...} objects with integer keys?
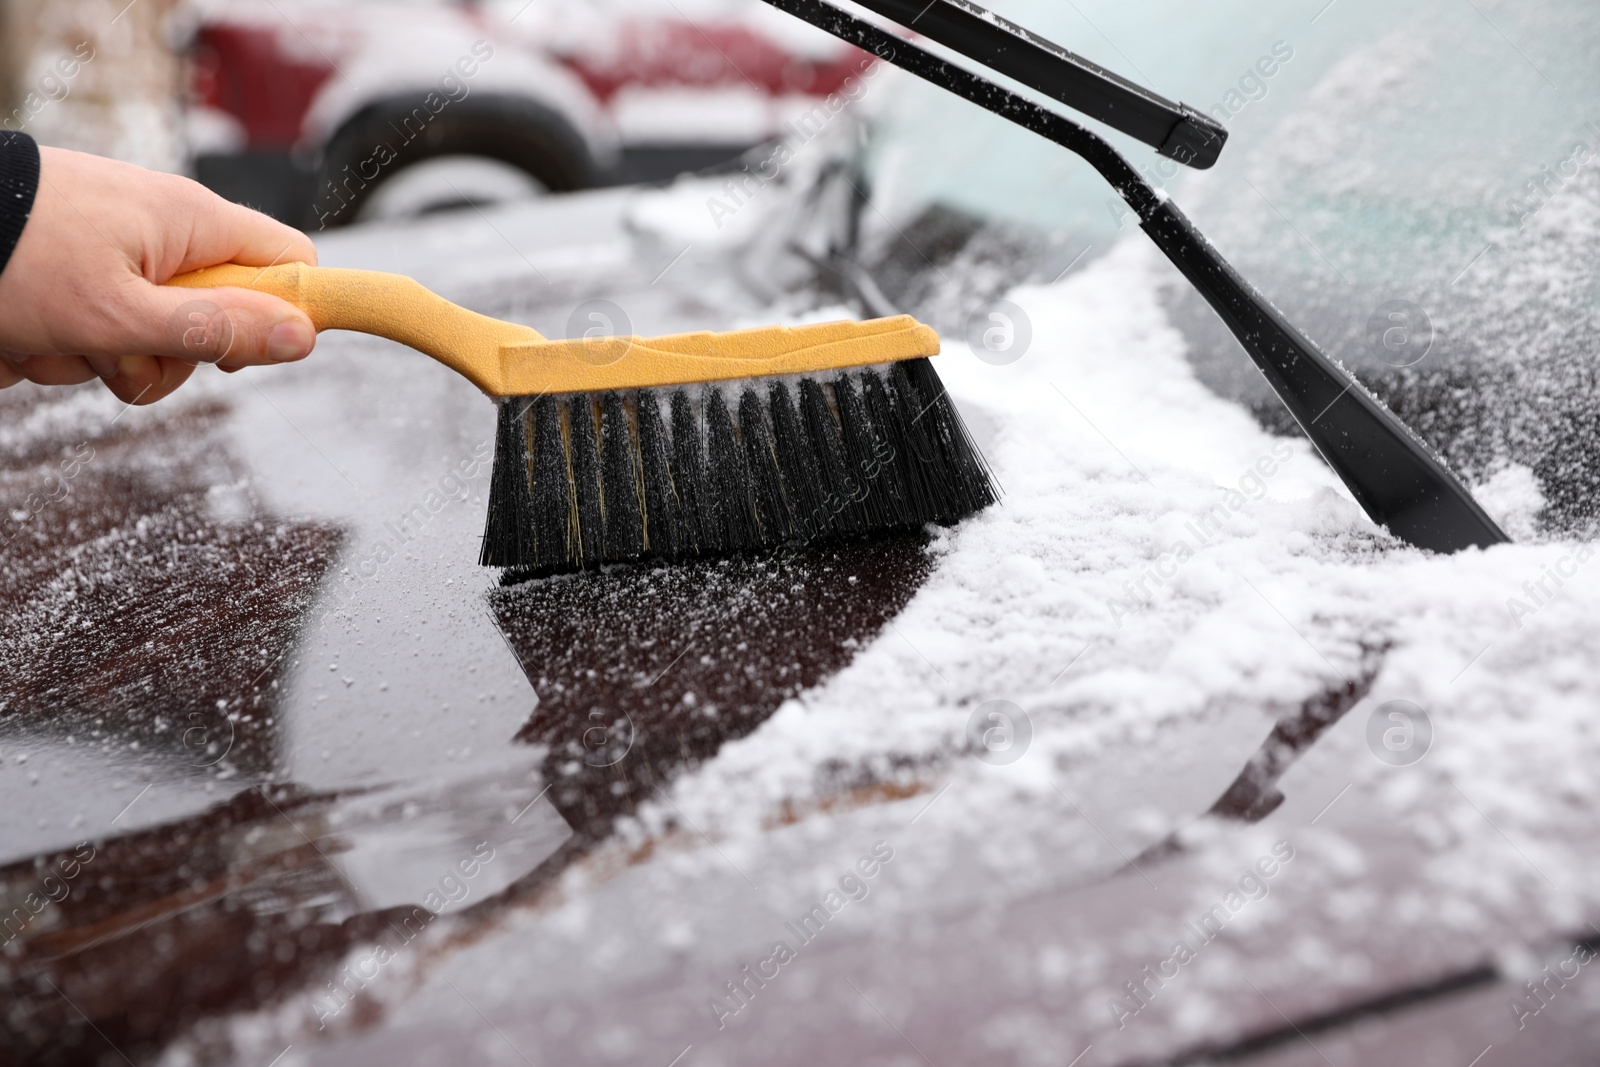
[{"x": 1175, "y": 130}]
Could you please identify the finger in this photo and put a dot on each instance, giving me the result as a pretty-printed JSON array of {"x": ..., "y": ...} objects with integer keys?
[
  {"x": 146, "y": 379},
  {"x": 53, "y": 370},
  {"x": 239, "y": 326},
  {"x": 223, "y": 232}
]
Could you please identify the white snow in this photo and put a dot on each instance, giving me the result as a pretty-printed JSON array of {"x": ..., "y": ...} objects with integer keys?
[
  {"x": 1514, "y": 498},
  {"x": 1107, "y": 448},
  {"x": 1087, "y": 598}
]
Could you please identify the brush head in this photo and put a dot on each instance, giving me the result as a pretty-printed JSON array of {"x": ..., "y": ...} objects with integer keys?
[{"x": 688, "y": 472}]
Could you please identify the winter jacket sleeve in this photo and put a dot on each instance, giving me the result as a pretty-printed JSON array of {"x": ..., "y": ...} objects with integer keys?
[{"x": 19, "y": 180}]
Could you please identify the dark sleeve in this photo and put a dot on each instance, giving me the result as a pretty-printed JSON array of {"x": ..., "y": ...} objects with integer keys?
[{"x": 19, "y": 180}]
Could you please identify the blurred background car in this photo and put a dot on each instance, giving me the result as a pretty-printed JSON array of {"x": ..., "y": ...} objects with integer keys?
[
  {"x": 289, "y": 105},
  {"x": 325, "y": 114}
]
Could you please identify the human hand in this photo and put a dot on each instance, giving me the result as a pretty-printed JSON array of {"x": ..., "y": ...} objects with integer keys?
[{"x": 82, "y": 296}]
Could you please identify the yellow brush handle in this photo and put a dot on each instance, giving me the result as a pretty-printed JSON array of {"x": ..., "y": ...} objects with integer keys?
[
  {"x": 386, "y": 305},
  {"x": 505, "y": 359}
]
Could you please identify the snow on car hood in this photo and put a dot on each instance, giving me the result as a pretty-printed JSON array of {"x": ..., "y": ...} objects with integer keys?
[
  {"x": 1156, "y": 552},
  {"x": 1146, "y": 662}
]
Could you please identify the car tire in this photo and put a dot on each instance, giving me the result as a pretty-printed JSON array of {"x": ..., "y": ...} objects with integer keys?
[{"x": 385, "y": 137}]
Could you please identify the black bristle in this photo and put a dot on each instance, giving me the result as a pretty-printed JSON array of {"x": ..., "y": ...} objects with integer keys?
[
  {"x": 963, "y": 472},
  {"x": 554, "y": 526},
  {"x": 902, "y": 466},
  {"x": 924, "y": 464},
  {"x": 586, "y": 481},
  {"x": 869, "y": 458},
  {"x": 664, "y": 520},
  {"x": 802, "y": 472},
  {"x": 689, "y": 476},
  {"x": 732, "y": 512},
  {"x": 579, "y": 481},
  {"x": 507, "y": 531},
  {"x": 766, "y": 479},
  {"x": 840, "y": 497},
  {"x": 624, "y": 496}
]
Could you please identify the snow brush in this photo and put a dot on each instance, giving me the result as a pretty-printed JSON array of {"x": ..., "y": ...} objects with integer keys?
[
  {"x": 1392, "y": 474},
  {"x": 613, "y": 449}
]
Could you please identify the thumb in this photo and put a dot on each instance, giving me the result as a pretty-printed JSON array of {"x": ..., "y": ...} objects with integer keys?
[{"x": 229, "y": 327}]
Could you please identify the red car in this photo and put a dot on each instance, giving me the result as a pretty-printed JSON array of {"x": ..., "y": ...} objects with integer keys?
[{"x": 325, "y": 113}]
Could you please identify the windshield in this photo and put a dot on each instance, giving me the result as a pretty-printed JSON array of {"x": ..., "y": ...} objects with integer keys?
[{"x": 1432, "y": 157}]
